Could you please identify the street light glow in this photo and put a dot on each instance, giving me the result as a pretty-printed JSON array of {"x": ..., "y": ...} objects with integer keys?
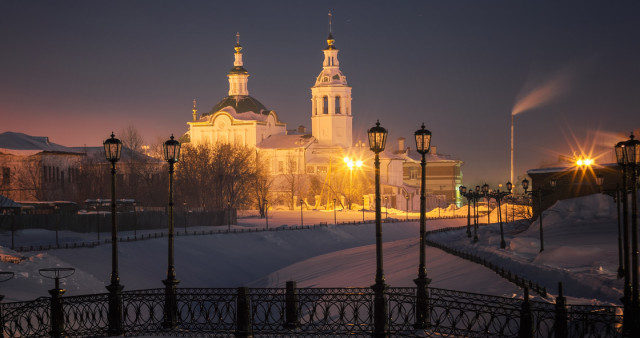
[{"x": 587, "y": 162}]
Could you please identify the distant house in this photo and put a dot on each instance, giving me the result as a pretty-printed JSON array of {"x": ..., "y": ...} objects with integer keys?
[
  {"x": 8, "y": 206},
  {"x": 443, "y": 176},
  {"x": 33, "y": 168}
]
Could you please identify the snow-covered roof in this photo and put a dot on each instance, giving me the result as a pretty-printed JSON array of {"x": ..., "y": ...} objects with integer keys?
[
  {"x": 25, "y": 145},
  {"x": 6, "y": 202},
  {"x": 286, "y": 141},
  {"x": 125, "y": 155}
]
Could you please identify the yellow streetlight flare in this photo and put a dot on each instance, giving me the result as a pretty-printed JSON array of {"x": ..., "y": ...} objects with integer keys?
[{"x": 587, "y": 162}]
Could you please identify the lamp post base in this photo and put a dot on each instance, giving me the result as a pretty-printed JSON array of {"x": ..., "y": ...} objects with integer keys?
[
  {"x": 380, "y": 311},
  {"x": 116, "y": 327},
  {"x": 422, "y": 303},
  {"x": 170, "y": 320}
]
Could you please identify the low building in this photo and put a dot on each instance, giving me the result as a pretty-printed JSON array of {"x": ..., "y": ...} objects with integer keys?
[{"x": 549, "y": 185}]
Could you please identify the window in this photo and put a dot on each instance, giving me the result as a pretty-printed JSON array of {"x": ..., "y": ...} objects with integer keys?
[
  {"x": 322, "y": 169},
  {"x": 325, "y": 105},
  {"x": 413, "y": 174},
  {"x": 280, "y": 166},
  {"x": 310, "y": 169},
  {"x": 337, "y": 104}
]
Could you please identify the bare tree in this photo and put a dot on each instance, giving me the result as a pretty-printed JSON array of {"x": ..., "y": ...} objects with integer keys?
[
  {"x": 215, "y": 177},
  {"x": 131, "y": 138},
  {"x": 262, "y": 182}
]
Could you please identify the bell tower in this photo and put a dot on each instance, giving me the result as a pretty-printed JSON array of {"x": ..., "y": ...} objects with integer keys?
[{"x": 331, "y": 101}]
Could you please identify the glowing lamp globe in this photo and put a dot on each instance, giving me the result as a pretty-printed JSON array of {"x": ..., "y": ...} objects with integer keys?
[
  {"x": 423, "y": 140},
  {"x": 377, "y": 138},
  {"x": 632, "y": 147},
  {"x": 112, "y": 149},
  {"x": 171, "y": 150}
]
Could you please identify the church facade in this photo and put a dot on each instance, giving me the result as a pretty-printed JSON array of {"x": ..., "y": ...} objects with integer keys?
[{"x": 322, "y": 168}]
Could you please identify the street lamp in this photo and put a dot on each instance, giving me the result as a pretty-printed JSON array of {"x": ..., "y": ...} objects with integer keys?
[
  {"x": 628, "y": 157},
  {"x": 476, "y": 196},
  {"x": 135, "y": 220},
  {"x": 386, "y": 208},
  {"x": 266, "y": 212},
  {"x": 229, "y": 210},
  {"x": 112, "y": 151},
  {"x": 621, "y": 158},
  {"x": 184, "y": 205},
  {"x": 525, "y": 186},
  {"x": 377, "y": 140},
  {"x": 423, "y": 145},
  {"x": 335, "y": 219},
  {"x": 171, "y": 149},
  {"x": 407, "y": 205},
  {"x": 301, "y": 222},
  {"x": 616, "y": 198},
  {"x": 485, "y": 192},
  {"x": 463, "y": 192},
  {"x": 499, "y": 195},
  {"x": 632, "y": 147}
]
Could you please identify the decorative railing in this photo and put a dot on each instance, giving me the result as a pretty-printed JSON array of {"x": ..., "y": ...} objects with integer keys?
[{"x": 243, "y": 312}]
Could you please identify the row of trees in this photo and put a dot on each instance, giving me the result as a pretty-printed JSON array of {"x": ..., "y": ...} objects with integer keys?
[{"x": 215, "y": 177}]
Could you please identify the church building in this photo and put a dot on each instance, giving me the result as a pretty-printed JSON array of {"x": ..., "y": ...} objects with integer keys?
[{"x": 322, "y": 168}]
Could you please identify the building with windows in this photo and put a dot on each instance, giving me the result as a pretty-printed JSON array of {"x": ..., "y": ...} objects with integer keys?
[{"x": 317, "y": 167}]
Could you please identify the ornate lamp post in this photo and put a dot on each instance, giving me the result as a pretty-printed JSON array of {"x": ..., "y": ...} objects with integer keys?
[
  {"x": 476, "y": 195},
  {"x": 407, "y": 205},
  {"x": 135, "y": 220},
  {"x": 485, "y": 192},
  {"x": 628, "y": 156},
  {"x": 301, "y": 222},
  {"x": 463, "y": 192},
  {"x": 621, "y": 157},
  {"x": 499, "y": 195},
  {"x": 525, "y": 186},
  {"x": 423, "y": 145},
  {"x": 616, "y": 198},
  {"x": 184, "y": 206},
  {"x": 362, "y": 209},
  {"x": 377, "y": 140},
  {"x": 229, "y": 209},
  {"x": 112, "y": 151},
  {"x": 171, "y": 149},
  {"x": 266, "y": 212}
]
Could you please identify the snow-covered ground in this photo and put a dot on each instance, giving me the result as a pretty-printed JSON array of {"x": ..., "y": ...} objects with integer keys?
[{"x": 580, "y": 251}]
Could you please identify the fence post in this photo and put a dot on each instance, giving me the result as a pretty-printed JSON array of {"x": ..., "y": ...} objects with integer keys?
[
  {"x": 243, "y": 314},
  {"x": 526, "y": 317},
  {"x": 57, "y": 316},
  {"x": 292, "y": 301},
  {"x": 561, "y": 330}
]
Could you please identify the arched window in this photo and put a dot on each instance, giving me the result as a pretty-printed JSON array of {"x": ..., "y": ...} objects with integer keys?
[
  {"x": 338, "y": 105},
  {"x": 325, "y": 104}
]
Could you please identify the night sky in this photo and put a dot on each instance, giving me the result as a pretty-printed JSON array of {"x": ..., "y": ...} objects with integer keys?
[{"x": 76, "y": 70}]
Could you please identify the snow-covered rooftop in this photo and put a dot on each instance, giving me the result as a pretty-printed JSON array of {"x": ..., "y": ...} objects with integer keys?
[
  {"x": 22, "y": 144},
  {"x": 286, "y": 141}
]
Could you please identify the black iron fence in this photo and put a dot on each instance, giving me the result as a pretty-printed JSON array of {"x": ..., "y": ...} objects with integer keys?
[{"x": 244, "y": 312}]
